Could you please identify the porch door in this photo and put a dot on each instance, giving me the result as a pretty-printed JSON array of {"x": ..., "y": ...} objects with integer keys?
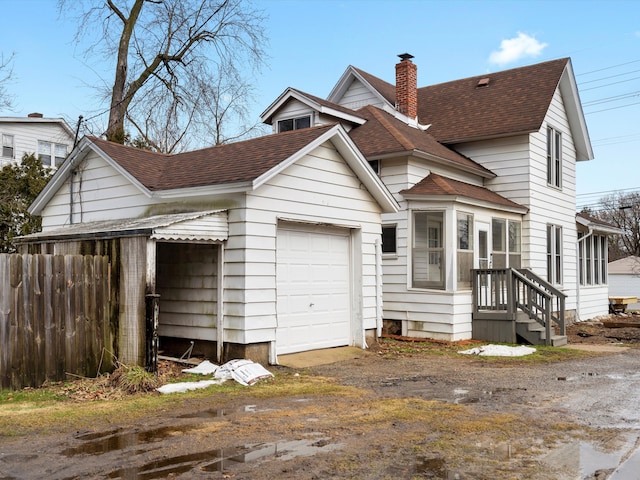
[{"x": 482, "y": 246}]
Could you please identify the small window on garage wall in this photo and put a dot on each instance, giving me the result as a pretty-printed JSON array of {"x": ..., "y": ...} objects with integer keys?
[{"x": 389, "y": 239}]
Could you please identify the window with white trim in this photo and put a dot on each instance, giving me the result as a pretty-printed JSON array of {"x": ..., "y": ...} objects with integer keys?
[
  {"x": 464, "y": 254},
  {"x": 49, "y": 150},
  {"x": 554, "y": 157},
  {"x": 7, "y": 146},
  {"x": 592, "y": 259},
  {"x": 427, "y": 253},
  {"x": 554, "y": 254},
  {"x": 389, "y": 239},
  {"x": 294, "y": 123},
  {"x": 506, "y": 243}
]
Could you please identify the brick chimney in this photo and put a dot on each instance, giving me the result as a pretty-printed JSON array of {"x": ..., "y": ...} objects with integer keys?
[{"x": 407, "y": 86}]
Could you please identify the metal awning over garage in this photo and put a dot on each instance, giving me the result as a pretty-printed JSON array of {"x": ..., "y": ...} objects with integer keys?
[{"x": 194, "y": 226}]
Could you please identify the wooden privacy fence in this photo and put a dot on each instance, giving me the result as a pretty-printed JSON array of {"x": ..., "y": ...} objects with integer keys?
[{"x": 54, "y": 318}]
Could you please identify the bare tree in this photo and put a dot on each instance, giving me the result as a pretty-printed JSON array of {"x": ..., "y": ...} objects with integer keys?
[
  {"x": 623, "y": 211},
  {"x": 164, "y": 50},
  {"x": 6, "y": 74}
]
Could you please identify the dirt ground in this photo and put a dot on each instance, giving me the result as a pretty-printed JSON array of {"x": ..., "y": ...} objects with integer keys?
[{"x": 402, "y": 413}]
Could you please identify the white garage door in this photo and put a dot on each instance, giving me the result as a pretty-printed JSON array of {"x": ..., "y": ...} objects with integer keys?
[{"x": 314, "y": 290}]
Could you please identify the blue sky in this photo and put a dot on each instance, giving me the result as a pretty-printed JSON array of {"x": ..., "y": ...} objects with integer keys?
[{"x": 312, "y": 42}]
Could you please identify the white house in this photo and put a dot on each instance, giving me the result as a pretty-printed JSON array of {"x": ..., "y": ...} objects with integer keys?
[
  {"x": 256, "y": 248},
  {"x": 484, "y": 169},
  {"x": 51, "y": 139},
  {"x": 441, "y": 212}
]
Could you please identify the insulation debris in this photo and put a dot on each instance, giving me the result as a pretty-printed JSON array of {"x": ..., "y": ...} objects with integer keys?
[
  {"x": 245, "y": 372},
  {"x": 500, "y": 351}
]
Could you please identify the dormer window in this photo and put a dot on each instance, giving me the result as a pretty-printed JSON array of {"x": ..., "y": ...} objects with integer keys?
[{"x": 294, "y": 123}]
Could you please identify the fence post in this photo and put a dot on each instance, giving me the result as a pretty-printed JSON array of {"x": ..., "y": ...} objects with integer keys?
[{"x": 151, "y": 341}]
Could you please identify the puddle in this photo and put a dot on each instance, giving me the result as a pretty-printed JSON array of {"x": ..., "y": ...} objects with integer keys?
[
  {"x": 629, "y": 468},
  {"x": 218, "y": 460},
  {"x": 104, "y": 442},
  {"x": 583, "y": 459}
]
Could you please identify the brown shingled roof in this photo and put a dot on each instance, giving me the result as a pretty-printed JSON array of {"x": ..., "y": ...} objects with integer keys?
[
  {"x": 326, "y": 103},
  {"x": 435, "y": 184},
  {"x": 384, "y": 134},
  {"x": 231, "y": 163},
  {"x": 513, "y": 101}
]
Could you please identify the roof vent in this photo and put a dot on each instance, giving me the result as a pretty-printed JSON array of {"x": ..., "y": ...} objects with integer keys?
[
  {"x": 35, "y": 115},
  {"x": 483, "y": 82}
]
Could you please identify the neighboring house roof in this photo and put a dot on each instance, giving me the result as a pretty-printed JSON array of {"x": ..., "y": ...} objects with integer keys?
[
  {"x": 316, "y": 103},
  {"x": 31, "y": 120},
  {"x": 511, "y": 102},
  {"x": 596, "y": 224},
  {"x": 384, "y": 135},
  {"x": 437, "y": 185},
  {"x": 234, "y": 167},
  {"x": 625, "y": 266}
]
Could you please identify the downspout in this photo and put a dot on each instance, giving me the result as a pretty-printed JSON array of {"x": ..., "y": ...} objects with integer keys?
[
  {"x": 73, "y": 173},
  {"x": 590, "y": 232},
  {"x": 378, "y": 287},
  {"x": 220, "y": 305}
]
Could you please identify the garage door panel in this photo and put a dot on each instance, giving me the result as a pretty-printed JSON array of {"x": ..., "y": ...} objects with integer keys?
[{"x": 314, "y": 293}]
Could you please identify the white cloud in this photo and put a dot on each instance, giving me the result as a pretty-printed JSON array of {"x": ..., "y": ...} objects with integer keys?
[{"x": 516, "y": 48}]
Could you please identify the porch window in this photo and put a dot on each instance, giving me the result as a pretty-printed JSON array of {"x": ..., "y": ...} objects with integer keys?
[
  {"x": 294, "y": 124},
  {"x": 7, "y": 146},
  {"x": 389, "y": 239},
  {"x": 428, "y": 269},
  {"x": 465, "y": 249},
  {"x": 554, "y": 254},
  {"x": 515, "y": 240},
  {"x": 592, "y": 259},
  {"x": 499, "y": 236},
  {"x": 507, "y": 237},
  {"x": 554, "y": 157}
]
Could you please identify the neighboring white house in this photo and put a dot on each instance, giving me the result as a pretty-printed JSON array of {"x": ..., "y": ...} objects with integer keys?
[
  {"x": 624, "y": 279},
  {"x": 261, "y": 248},
  {"x": 50, "y": 139},
  {"x": 484, "y": 169}
]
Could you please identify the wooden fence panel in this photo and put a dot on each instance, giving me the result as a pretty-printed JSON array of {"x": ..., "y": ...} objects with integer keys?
[{"x": 54, "y": 318}]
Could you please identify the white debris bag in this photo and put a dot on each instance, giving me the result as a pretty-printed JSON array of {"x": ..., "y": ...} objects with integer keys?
[
  {"x": 245, "y": 372},
  {"x": 186, "y": 386},
  {"x": 203, "y": 368},
  {"x": 500, "y": 351}
]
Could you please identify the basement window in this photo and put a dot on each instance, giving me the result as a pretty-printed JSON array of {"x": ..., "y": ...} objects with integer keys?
[{"x": 294, "y": 124}]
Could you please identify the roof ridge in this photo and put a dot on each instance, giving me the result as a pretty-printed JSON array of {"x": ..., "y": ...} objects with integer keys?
[{"x": 397, "y": 134}]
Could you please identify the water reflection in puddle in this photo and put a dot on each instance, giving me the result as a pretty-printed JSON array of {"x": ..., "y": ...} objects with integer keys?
[
  {"x": 583, "y": 459},
  {"x": 218, "y": 460}
]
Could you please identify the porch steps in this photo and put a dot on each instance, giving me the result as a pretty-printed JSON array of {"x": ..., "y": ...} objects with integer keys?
[{"x": 534, "y": 333}]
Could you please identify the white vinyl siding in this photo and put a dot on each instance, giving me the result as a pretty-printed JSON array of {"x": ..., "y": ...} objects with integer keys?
[
  {"x": 357, "y": 96},
  {"x": 187, "y": 284},
  {"x": 100, "y": 192},
  {"x": 318, "y": 187}
]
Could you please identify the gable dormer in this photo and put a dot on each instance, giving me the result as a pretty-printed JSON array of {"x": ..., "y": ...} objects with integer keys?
[{"x": 294, "y": 110}]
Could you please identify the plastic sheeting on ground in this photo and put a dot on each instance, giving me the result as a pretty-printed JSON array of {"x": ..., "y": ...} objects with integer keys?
[
  {"x": 500, "y": 351},
  {"x": 245, "y": 372}
]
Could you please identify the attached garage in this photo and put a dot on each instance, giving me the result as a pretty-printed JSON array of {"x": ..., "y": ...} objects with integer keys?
[{"x": 313, "y": 289}]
